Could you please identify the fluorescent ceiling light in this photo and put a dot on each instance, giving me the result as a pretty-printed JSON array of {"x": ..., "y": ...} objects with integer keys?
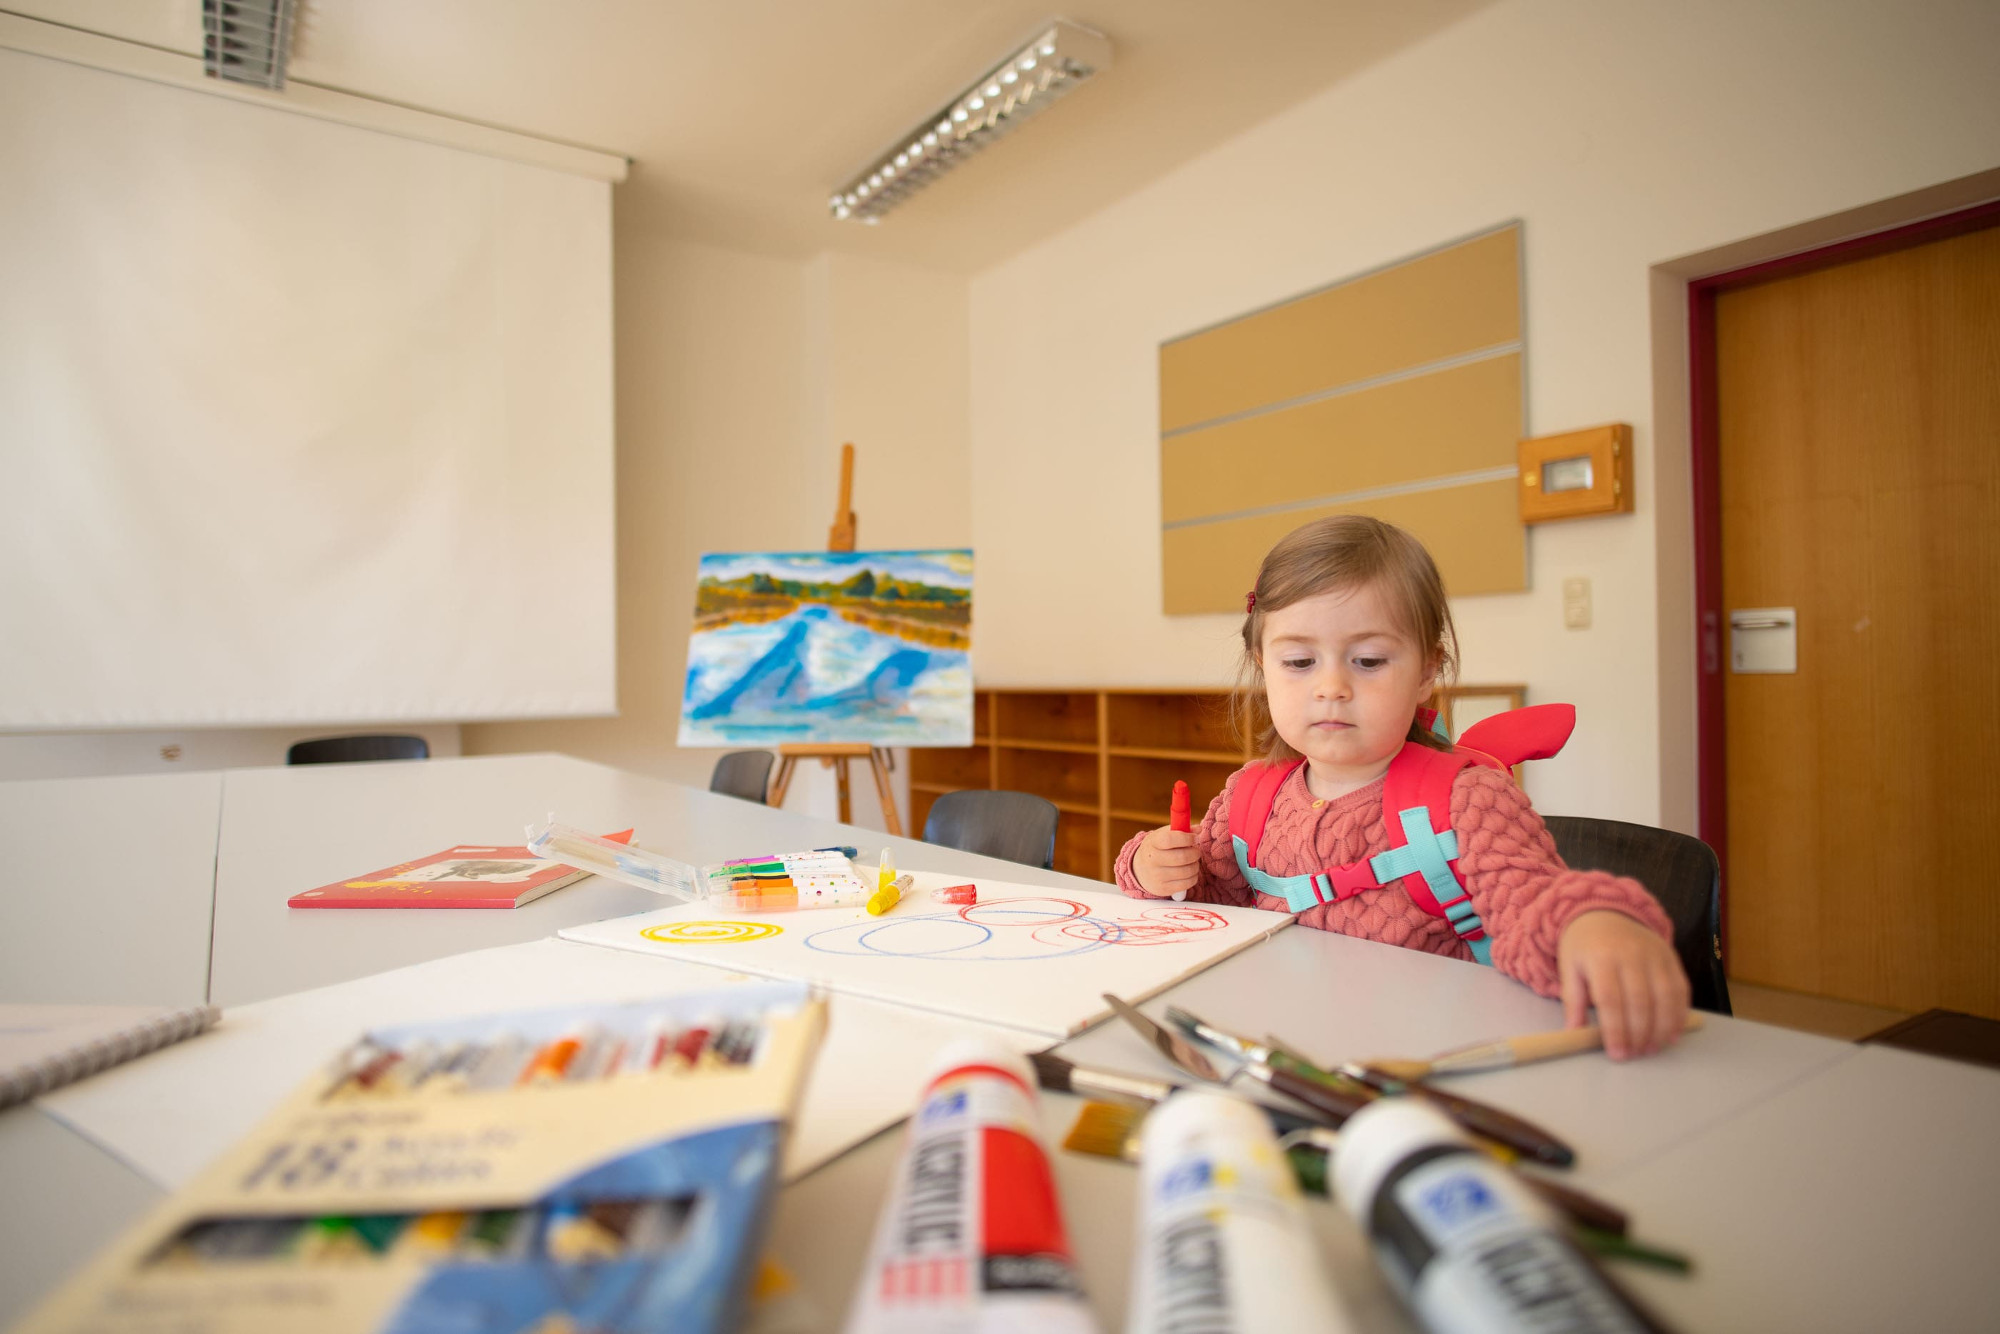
[{"x": 1031, "y": 78}]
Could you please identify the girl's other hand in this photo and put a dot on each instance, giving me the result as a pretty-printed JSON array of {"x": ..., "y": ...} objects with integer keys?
[
  {"x": 1167, "y": 863},
  {"x": 1633, "y": 977}
]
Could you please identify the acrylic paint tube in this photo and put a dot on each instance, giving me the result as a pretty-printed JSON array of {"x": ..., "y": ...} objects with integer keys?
[
  {"x": 1471, "y": 1248},
  {"x": 1224, "y": 1244},
  {"x": 972, "y": 1239}
]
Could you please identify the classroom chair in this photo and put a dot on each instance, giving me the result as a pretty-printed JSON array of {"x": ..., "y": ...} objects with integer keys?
[
  {"x": 349, "y": 749},
  {"x": 745, "y": 774},
  {"x": 1014, "y": 826},
  {"x": 1681, "y": 872}
]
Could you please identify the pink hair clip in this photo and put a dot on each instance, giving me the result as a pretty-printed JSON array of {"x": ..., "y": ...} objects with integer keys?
[{"x": 1250, "y": 602}]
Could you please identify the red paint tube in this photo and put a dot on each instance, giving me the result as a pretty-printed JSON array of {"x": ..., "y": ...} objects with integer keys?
[{"x": 972, "y": 1238}]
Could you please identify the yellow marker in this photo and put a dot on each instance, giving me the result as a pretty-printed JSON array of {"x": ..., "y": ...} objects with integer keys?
[
  {"x": 885, "y": 872},
  {"x": 888, "y": 896}
]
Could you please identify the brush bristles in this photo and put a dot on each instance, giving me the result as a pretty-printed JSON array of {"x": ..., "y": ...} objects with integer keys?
[
  {"x": 1052, "y": 1071},
  {"x": 1059, "y": 1075},
  {"x": 1106, "y": 1130}
]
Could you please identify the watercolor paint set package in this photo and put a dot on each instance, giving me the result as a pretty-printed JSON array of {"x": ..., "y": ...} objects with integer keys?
[{"x": 603, "y": 1167}]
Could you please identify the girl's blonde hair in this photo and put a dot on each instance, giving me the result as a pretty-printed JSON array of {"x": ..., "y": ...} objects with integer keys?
[{"x": 1344, "y": 551}]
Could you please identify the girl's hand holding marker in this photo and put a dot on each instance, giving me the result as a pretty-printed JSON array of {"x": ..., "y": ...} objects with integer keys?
[{"x": 1346, "y": 636}]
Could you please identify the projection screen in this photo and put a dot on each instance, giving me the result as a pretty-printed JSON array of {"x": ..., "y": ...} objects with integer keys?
[{"x": 298, "y": 422}]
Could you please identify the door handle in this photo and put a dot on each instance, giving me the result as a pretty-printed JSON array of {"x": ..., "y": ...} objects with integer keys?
[{"x": 1764, "y": 640}]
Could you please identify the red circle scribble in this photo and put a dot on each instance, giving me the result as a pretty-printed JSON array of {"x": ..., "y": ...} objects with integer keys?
[
  {"x": 1006, "y": 912},
  {"x": 1157, "y": 924},
  {"x": 1153, "y": 926}
]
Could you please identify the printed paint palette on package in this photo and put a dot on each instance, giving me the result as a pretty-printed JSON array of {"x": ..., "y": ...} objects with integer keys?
[{"x": 588, "y": 1167}]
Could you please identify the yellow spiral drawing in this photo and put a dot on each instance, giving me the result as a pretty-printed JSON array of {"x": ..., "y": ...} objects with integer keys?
[{"x": 710, "y": 933}]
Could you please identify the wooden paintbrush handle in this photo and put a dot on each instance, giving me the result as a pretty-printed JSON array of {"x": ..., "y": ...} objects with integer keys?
[
  {"x": 1522, "y": 1136},
  {"x": 1579, "y": 1207},
  {"x": 1336, "y": 1105},
  {"x": 1530, "y": 1047}
]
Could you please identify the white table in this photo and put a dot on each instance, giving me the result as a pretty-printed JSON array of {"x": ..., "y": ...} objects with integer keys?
[
  {"x": 108, "y": 890},
  {"x": 1819, "y": 1185}
]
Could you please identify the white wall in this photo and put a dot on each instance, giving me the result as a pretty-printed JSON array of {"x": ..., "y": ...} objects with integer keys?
[
  {"x": 739, "y": 376},
  {"x": 1623, "y": 135}
]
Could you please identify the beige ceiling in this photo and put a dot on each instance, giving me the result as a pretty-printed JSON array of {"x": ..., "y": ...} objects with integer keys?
[{"x": 741, "y": 115}]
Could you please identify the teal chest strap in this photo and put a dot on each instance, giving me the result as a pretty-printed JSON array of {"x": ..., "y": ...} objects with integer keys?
[{"x": 1426, "y": 853}]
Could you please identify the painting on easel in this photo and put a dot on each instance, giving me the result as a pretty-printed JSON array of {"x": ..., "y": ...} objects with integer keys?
[{"x": 815, "y": 647}]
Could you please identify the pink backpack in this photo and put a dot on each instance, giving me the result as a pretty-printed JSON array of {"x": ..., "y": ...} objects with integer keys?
[{"x": 1416, "y": 812}]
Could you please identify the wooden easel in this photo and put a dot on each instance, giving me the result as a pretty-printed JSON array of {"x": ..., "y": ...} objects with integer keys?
[{"x": 841, "y": 538}]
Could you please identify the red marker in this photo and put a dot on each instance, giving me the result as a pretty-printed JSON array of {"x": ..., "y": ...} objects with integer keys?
[{"x": 1180, "y": 818}]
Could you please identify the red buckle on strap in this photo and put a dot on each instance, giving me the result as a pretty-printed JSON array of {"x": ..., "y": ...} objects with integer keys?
[{"x": 1347, "y": 881}]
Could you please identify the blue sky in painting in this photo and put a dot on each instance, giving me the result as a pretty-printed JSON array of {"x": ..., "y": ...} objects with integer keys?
[{"x": 944, "y": 568}]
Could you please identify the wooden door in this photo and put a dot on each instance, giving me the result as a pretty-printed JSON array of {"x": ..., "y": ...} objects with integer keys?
[{"x": 1858, "y": 428}]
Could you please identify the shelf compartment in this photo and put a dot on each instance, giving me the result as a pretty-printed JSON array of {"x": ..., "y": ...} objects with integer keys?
[
  {"x": 1047, "y": 715},
  {"x": 956, "y": 766},
  {"x": 1122, "y": 830},
  {"x": 1064, "y": 778},
  {"x": 920, "y": 808},
  {"x": 1139, "y": 784},
  {"x": 1077, "y": 848},
  {"x": 1172, "y": 720}
]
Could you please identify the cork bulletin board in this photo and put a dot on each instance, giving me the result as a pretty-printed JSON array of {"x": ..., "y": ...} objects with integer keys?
[{"x": 1396, "y": 393}]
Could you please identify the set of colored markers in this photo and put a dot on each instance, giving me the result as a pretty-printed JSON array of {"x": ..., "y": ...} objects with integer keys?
[
  {"x": 512, "y": 1060},
  {"x": 783, "y": 881},
  {"x": 572, "y": 1233}
]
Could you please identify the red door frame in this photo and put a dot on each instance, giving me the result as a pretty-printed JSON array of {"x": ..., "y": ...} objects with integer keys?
[{"x": 1713, "y": 808}]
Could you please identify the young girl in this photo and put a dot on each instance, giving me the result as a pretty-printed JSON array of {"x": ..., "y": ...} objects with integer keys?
[{"x": 1347, "y": 631}]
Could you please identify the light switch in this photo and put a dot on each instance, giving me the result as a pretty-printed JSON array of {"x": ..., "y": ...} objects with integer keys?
[
  {"x": 1576, "y": 604},
  {"x": 1764, "y": 640}
]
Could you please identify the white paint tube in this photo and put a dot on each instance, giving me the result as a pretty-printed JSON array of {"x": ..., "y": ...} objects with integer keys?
[
  {"x": 972, "y": 1238},
  {"x": 1469, "y": 1246},
  {"x": 1224, "y": 1243}
]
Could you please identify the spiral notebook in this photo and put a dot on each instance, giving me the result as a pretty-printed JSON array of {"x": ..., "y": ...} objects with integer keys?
[{"x": 43, "y": 1047}]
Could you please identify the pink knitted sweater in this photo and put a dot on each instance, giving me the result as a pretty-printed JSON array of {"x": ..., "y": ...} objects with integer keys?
[{"x": 1523, "y": 893}]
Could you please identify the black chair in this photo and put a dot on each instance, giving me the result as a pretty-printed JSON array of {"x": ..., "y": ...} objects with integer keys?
[
  {"x": 1014, "y": 826},
  {"x": 745, "y": 774},
  {"x": 349, "y": 749},
  {"x": 1682, "y": 873}
]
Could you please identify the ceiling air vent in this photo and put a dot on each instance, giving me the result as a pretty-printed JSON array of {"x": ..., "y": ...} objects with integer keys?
[{"x": 246, "y": 41}]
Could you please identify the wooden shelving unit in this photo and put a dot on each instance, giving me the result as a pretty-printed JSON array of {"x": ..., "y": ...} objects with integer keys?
[{"x": 1107, "y": 758}]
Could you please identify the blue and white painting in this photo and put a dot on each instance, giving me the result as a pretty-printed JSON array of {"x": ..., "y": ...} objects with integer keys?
[{"x": 810, "y": 647}]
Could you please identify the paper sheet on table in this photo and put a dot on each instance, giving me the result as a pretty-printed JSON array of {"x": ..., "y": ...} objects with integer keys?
[
  {"x": 167, "y": 1115},
  {"x": 1024, "y": 957}
]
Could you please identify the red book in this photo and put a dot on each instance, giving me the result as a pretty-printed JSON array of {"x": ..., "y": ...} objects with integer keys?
[{"x": 462, "y": 877}]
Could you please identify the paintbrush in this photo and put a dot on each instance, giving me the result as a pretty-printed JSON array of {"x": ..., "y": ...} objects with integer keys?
[
  {"x": 1337, "y": 1104},
  {"x": 1523, "y": 1050},
  {"x": 1058, "y": 1074},
  {"x": 1523, "y": 1137},
  {"x": 1517, "y": 1134},
  {"x": 1111, "y": 1130}
]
